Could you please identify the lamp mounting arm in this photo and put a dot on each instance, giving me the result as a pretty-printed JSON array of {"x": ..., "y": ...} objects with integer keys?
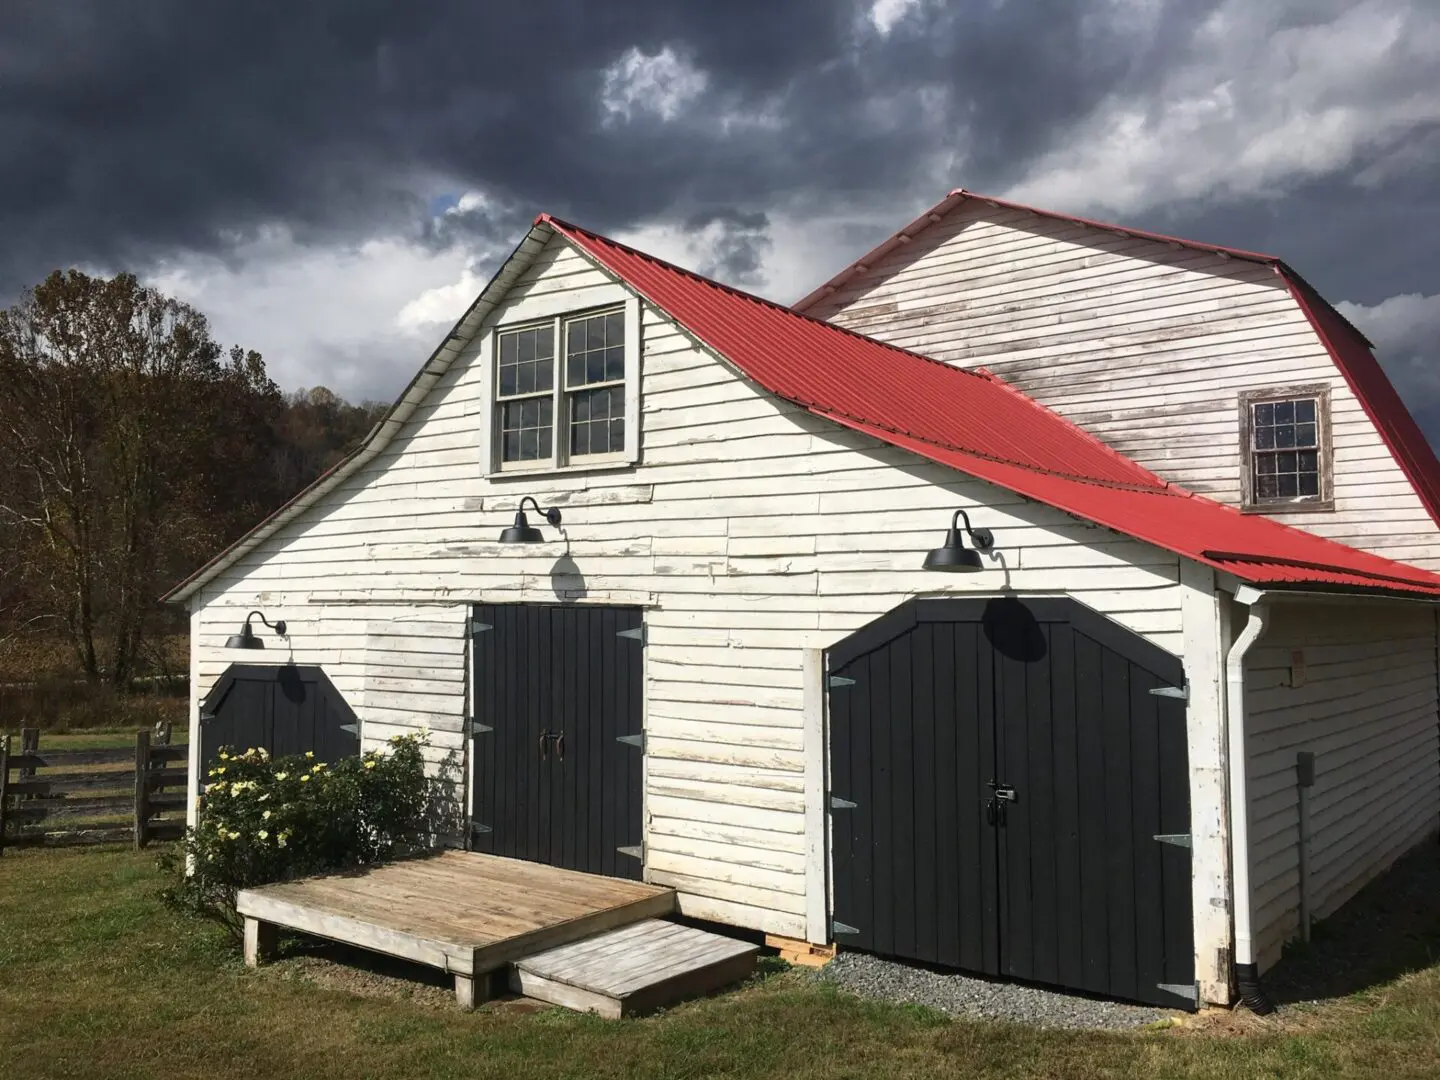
[
  {"x": 278, "y": 625},
  {"x": 552, "y": 515},
  {"x": 983, "y": 539}
]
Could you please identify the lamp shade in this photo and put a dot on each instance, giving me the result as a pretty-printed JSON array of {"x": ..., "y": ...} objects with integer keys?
[
  {"x": 246, "y": 638},
  {"x": 954, "y": 557},
  {"x": 522, "y": 532}
]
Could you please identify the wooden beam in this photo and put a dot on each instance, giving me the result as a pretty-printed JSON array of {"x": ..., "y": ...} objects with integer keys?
[
  {"x": 817, "y": 845},
  {"x": 260, "y": 939}
]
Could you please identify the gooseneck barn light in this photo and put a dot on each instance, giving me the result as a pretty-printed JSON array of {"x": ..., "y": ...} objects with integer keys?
[
  {"x": 246, "y": 639},
  {"x": 953, "y": 556},
  {"x": 522, "y": 532}
]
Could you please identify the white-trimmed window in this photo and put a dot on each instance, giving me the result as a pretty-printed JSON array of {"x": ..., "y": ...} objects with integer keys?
[
  {"x": 1285, "y": 449},
  {"x": 564, "y": 391}
]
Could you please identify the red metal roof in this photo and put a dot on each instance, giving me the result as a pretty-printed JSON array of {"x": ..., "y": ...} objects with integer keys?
[
  {"x": 1350, "y": 350},
  {"x": 977, "y": 424}
]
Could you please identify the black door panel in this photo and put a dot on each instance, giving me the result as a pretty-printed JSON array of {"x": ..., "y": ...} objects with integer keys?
[
  {"x": 1010, "y": 769},
  {"x": 558, "y": 686}
]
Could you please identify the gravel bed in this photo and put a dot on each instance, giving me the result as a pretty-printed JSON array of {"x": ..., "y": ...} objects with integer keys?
[{"x": 967, "y": 996}]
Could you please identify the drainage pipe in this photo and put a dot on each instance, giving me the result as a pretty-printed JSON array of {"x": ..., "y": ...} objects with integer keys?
[{"x": 1247, "y": 977}]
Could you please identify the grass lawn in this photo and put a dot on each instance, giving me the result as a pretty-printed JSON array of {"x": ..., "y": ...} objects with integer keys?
[{"x": 98, "y": 980}]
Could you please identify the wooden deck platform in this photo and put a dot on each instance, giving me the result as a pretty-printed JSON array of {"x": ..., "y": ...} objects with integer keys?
[{"x": 468, "y": 914}]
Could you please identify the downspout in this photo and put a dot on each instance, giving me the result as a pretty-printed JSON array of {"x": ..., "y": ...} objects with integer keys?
[{"x": 1247, "y": 978}]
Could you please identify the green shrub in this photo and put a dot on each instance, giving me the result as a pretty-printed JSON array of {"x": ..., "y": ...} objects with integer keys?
[{"x": 263, "y": 820}]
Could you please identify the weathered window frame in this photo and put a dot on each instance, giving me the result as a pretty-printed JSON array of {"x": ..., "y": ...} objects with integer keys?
[
  {"x": 1325, "y": 499},
  {"x": 560, "y": 459}
]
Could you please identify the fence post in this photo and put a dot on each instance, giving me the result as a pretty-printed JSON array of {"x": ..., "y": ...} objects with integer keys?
[
  {"x": 142, "y": 788},
  {"x": 29, "y": 744},
  {"x": 4, "y": 783}
]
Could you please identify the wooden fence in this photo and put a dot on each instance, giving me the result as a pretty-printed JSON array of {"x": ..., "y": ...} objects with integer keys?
[{"x": 66, "y": 797}]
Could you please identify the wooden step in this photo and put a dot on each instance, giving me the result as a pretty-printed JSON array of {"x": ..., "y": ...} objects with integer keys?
[{"x": 635, "y": 969}]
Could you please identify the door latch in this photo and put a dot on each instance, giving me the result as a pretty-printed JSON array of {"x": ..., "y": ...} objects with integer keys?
[
  {"x": 1000, "y": 794},
  {"x": 552, "y": 740}
]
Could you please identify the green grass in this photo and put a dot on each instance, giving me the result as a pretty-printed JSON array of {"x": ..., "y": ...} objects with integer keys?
[{"x": 98, "y": 980}]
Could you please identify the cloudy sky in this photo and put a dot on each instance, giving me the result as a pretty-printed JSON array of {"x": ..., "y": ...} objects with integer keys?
[{"x": 333, "y": 180}]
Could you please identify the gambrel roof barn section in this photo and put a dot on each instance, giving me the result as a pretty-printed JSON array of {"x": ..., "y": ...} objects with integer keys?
[{"x": 1074, "y": 764}]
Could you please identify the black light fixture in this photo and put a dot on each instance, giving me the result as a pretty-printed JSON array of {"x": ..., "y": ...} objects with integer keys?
[
  {"x": 246, "y": 639},
  {"x": 954, "y": 557},
  {"x": 522, "y": 532}
]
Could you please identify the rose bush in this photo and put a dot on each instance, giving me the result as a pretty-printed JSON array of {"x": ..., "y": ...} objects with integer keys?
[{"x": 264, "y": 820}]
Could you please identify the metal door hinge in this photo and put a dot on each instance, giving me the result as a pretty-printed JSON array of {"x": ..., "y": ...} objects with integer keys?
[
  {"x": 1189, "y": 991},
  {"x": 632, "y": 740},
  {"x": 353, "y": 729},
  {"x": 1179, "y": 839},
  {"x": 1180, "y": 692},
  {"x": 206, "y": 716},
  {"x": 478, "y": 627},
  {"x": 837, "y": 928},
  {"x": 475, "y": 727},
  {"x": 635, "y": 851},
  {"x": 637, "y": 634},
  {"x": 837, "y": 803},
  {"x": 840, "y": 680},
  {"x": 476, "y": 827}
]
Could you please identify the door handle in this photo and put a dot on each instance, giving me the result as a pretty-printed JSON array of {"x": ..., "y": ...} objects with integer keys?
[
  {"x": 544, "y": 746},
  {"x": 559, "y": 740}
]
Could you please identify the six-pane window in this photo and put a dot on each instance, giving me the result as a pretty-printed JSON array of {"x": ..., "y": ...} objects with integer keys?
[
  {"x": 1285, "y": 449},
  {"x": 526, "y": 371},
  {"x": 595, "y": 383},
  {"x": 590, "y": 395}
]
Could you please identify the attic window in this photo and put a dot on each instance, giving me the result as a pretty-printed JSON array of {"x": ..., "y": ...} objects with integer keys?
[
  {"x": 565, "y": 391},
  {"x": 1285, "y": 449}
]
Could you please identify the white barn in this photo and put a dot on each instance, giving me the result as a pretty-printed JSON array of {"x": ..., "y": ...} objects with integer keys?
[{"x": 725, "y": 667}]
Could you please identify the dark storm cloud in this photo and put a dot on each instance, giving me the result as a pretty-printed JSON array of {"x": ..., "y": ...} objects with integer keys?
[{"x": 137, "y": 129}]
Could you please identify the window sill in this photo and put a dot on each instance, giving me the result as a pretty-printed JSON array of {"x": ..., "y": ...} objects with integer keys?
[
  {"x": 1315, "y": 506},
  {"x": 611, "y": 463}
]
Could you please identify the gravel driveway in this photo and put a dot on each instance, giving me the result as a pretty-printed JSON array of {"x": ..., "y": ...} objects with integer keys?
[{"x": 966, "y": 996}]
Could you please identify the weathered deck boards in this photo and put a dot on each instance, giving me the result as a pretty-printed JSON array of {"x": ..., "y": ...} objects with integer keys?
[
  {"x": 465, "y": 913},
  {"x": 634, "y": 969}
]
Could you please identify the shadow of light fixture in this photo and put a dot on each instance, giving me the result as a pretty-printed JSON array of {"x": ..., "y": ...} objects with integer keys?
[
  {"x": 522, "y": 532},
  {"x": 246, "y": 639},
  {"x": 953, "y": 556}
]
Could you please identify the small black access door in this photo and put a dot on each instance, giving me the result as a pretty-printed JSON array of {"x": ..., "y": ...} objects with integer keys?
[
  {"x": 557, "y": 755},
  {"x": 1009, "y": 797}
]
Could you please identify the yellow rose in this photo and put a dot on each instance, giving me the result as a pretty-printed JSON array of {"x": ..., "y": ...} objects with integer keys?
[
  {"x": 310, "y": 753},
  {"x": 263, "y": 835},
  {"x": 370, "y": 764},
  {"x": 281, "y": 775},
  {"x": 265, "y": 816},
  {"x": 305, "y": 779}
]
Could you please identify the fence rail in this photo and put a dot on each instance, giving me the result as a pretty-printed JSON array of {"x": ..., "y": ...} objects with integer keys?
[{"x": 57, "y": 798}]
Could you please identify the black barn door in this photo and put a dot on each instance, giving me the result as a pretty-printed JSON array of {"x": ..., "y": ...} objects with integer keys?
[
  {"x": 557, "y": 760},
  {"x": 285, "y": 708},
  {"x": 1010, "y": 771}
]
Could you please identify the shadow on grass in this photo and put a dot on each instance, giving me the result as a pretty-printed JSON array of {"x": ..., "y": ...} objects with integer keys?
[{"x": 1388, "y": 929}]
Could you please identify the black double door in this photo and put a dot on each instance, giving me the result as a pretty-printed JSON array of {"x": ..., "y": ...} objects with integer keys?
[
  {"x": 1010, "y": 798},
  {"x": 557, "y": 754}
]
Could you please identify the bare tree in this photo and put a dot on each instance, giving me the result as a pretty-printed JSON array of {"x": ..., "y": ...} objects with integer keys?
[{"x": 125, "y": 430}]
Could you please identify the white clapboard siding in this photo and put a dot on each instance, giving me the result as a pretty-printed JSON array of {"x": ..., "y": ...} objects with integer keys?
[
  {"x": 750, "y": 531},
  {"x": 1365, "y": 707},
  {"x": 1143, "y": 344}
]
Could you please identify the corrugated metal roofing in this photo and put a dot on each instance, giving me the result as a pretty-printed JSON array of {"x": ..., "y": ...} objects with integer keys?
[
  {"x": 975, "y": 423},
  {"x": 1350, "y": 350}
]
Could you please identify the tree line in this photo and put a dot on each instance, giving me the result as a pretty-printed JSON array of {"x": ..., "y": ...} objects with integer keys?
[{"x": 133, "y": 447}]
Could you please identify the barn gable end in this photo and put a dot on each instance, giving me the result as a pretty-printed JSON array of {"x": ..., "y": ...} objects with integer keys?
[{"x": 1148, "y": 344}]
